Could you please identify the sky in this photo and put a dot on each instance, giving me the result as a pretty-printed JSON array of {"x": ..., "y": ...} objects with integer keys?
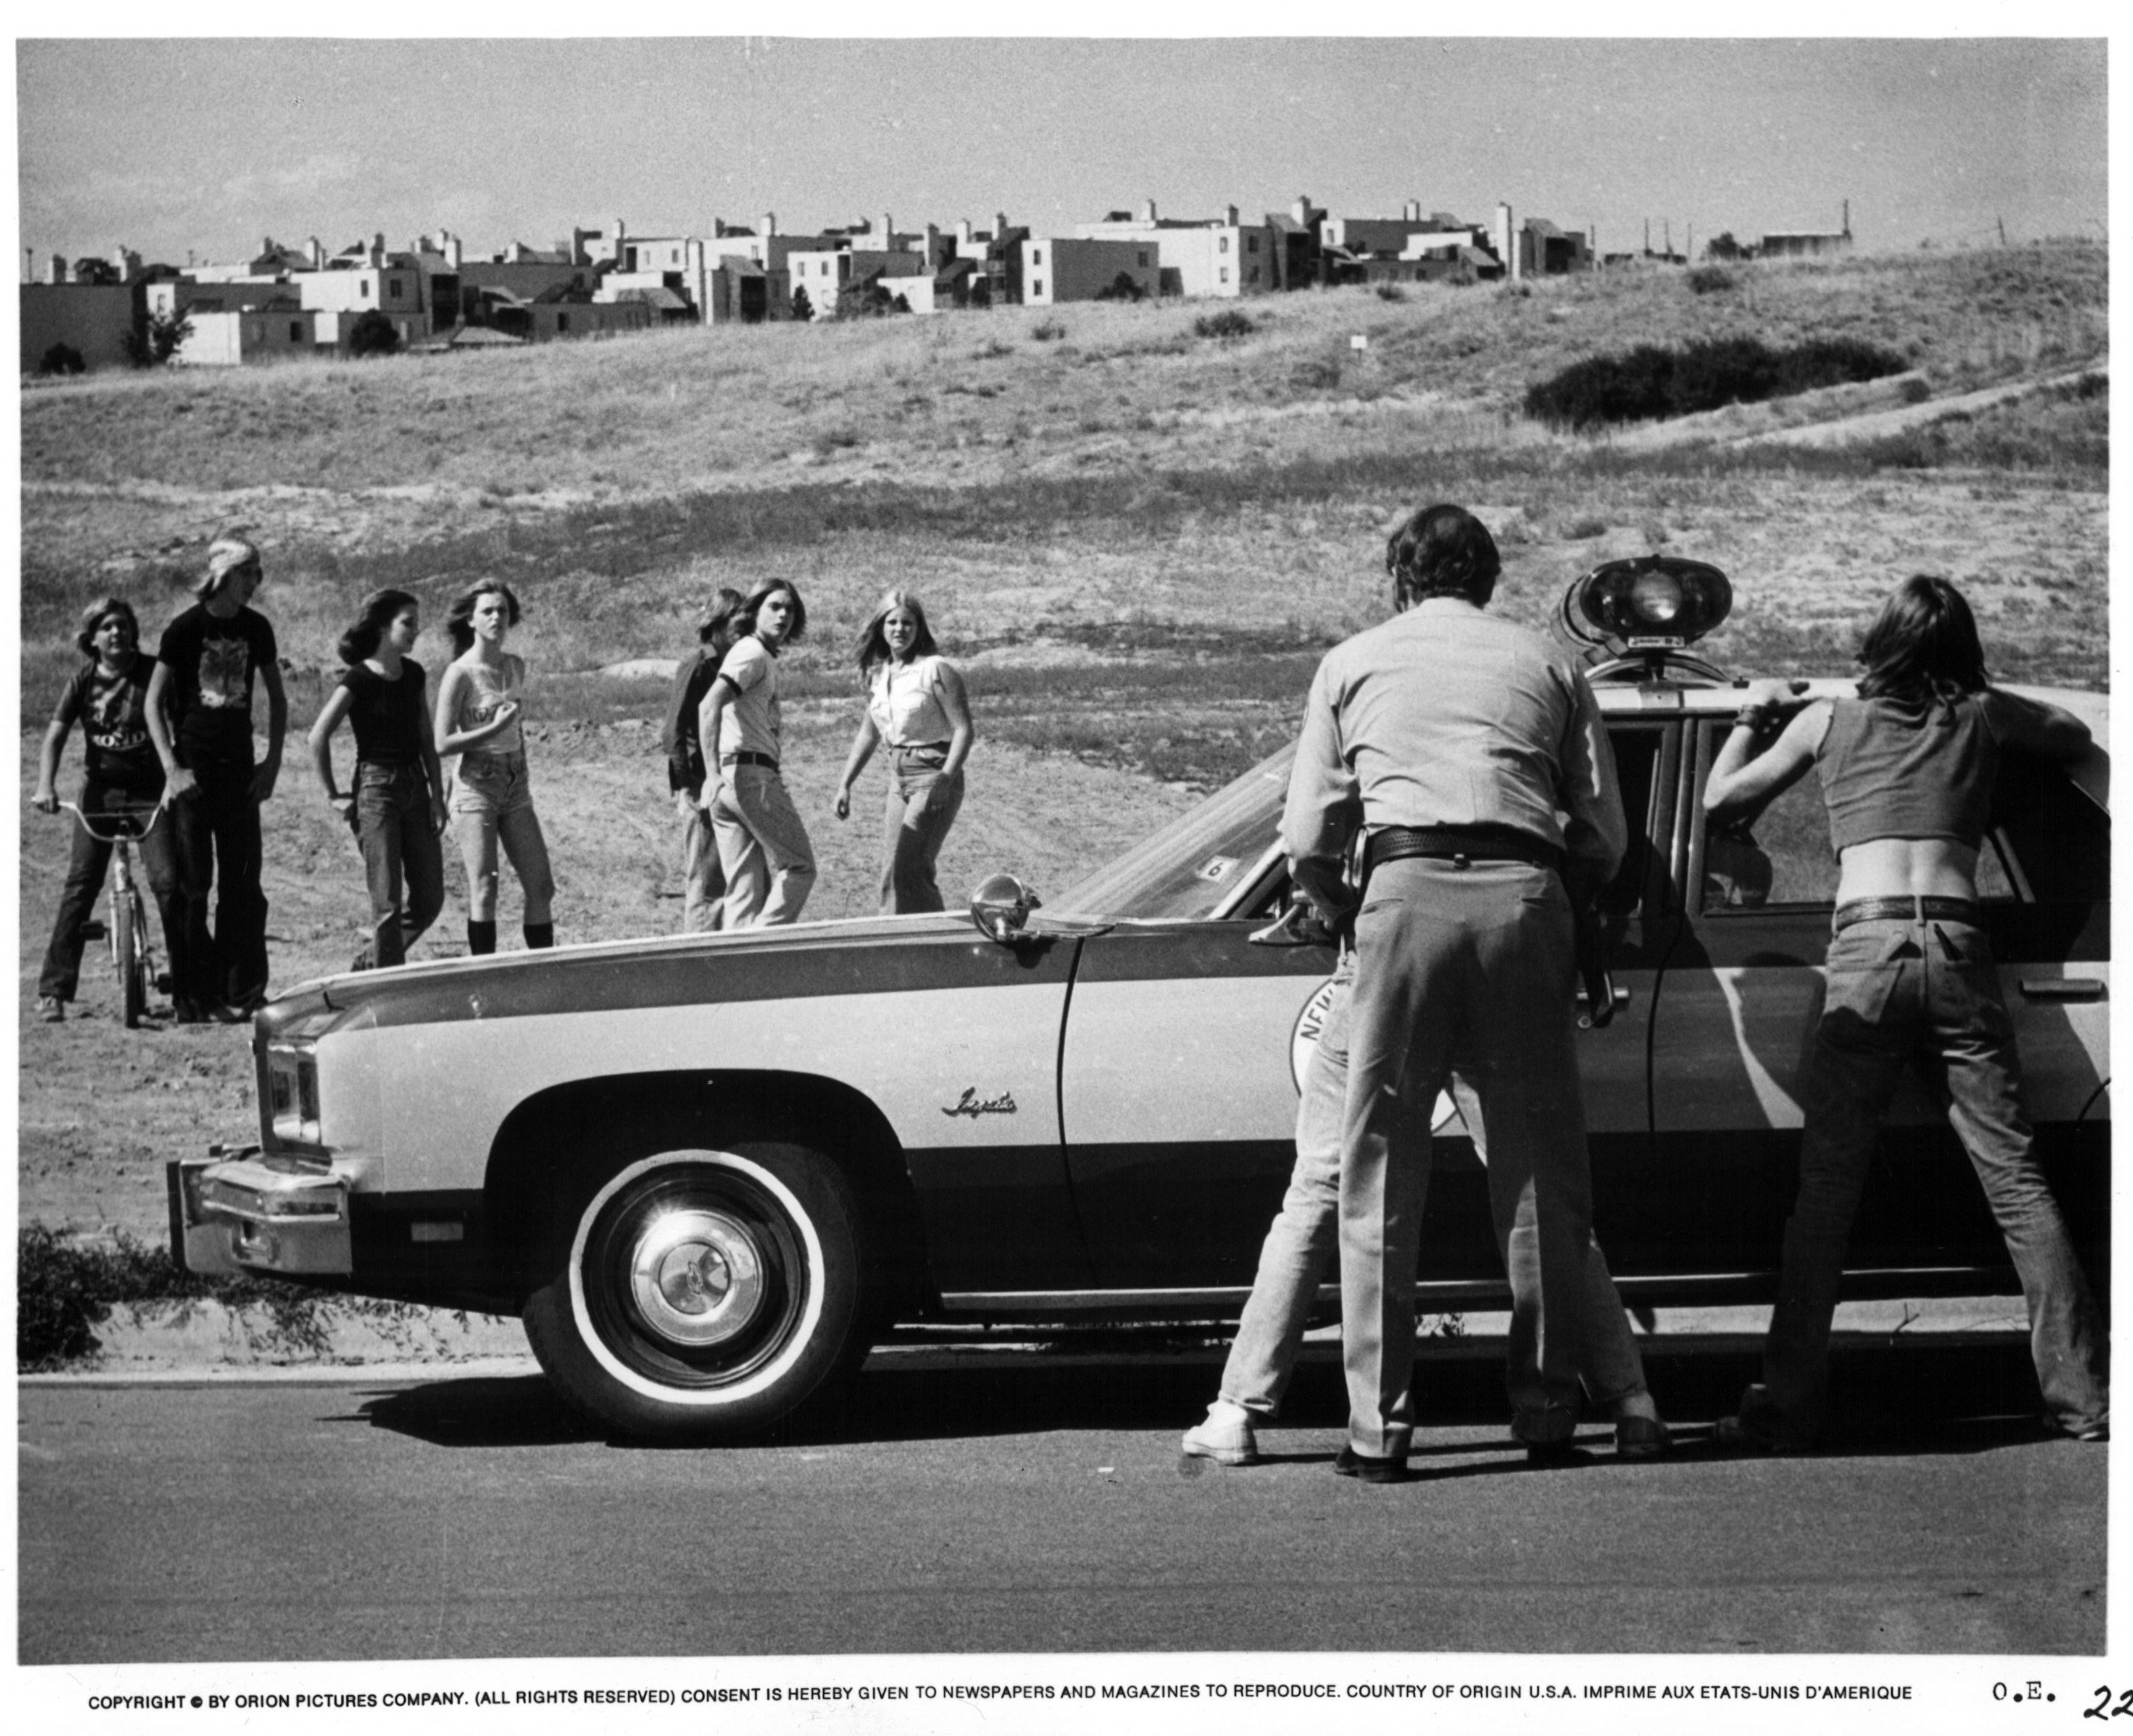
[{"x": 203, "y": 147}]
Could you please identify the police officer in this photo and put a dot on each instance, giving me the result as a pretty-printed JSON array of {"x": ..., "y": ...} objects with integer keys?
[{"x": 1471, "y": 753}]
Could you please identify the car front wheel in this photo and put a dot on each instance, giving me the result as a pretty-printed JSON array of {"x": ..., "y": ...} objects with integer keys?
[{"x": 700, "y": 1295}]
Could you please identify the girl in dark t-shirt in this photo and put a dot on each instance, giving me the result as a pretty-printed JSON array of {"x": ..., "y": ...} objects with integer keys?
[
  {"x": 107, "y": 696},
  {"x": 396, "y": 805}
]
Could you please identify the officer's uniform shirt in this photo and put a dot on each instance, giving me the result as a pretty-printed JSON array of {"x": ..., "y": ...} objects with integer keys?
[{"x": 1448, "y": 716}]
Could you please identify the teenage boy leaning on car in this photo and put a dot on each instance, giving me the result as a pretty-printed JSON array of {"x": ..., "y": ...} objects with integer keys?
[{"x": 200, "y": 718}]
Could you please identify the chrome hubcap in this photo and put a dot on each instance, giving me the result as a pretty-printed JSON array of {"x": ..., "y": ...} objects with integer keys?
[{"x": 696, "y": 1277}]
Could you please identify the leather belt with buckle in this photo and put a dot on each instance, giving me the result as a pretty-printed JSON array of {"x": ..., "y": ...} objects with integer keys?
[
  {"x": 1914, "y": 908},
  {"x": 1461, "y": 843}
]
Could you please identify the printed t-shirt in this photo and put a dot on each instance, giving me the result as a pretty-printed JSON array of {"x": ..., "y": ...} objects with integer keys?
[
  {"x": 488, "y": 690},
  {"x": 211, "y": 663},
  {"x": 113, "y": 712},
  {"x": 752, "y": 723}
]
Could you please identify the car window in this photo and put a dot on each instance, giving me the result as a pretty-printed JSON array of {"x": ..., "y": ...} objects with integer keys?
[
  {"x": 2047, "y": 843},
  {"x": 1783, "y": 859},
  {"x": 1637, "y": 749},
  {"x": 2050, "y": 843}
]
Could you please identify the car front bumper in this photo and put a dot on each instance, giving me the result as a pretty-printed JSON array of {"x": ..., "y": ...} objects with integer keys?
[{"x": 267, "y": 1216}]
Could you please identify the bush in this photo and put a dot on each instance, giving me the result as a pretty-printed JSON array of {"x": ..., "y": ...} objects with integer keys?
[
  {"x": 1391, "y": 292},
  {"x": 1120, "y": 288},
  {"x": 65, "y": 1291},
  {"x": 1649, "y": 383},
  {"x": 1045, "y": 332},
  {"x": 373, "y": 335},
  {"x": 1231, "y": 322},
  {"x": 802, "y": 308},
  {"x": 62, "y": 358},
  {"x": 1707, "y": 280}
]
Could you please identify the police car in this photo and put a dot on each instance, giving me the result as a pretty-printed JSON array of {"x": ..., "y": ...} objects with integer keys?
[{"x": 708, "y": 1172}]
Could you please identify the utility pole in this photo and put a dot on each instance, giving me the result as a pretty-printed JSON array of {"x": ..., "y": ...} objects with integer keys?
[{"x": 2002, "y": 222}]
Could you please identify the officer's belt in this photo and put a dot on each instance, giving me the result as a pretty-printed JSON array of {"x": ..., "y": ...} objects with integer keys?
[{"x": 1460, "y": 843}]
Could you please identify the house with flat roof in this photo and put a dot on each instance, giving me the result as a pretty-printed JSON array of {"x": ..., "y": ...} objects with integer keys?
[
  {"x": 1058, "y": 268},
  {"x": 1223, "y": 257}
]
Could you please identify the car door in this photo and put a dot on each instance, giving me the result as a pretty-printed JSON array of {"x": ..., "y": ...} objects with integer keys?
[
  {"x": 1739, "y": 997},
  {"x": 1180, "y": 1068}
]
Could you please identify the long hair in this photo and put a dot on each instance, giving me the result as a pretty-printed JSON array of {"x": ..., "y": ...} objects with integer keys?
[
  {"x": 717, "y": 620},
  {"x": 380, "y": 610},
  {"x": 873, "y": 646},
  {"x": 1442, "y": 551},
  {"x": 94, "y": 616},
  {"x": 1923, "y": 645},
  {"x": 744, "y": 622},
  {"x": 458, "y": 619}
]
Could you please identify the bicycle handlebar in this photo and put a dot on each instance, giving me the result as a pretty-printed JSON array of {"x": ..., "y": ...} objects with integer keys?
[{"x": 84, "y": 821}]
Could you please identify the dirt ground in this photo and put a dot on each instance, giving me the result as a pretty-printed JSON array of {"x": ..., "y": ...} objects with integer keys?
[{"x": 101, "y": 1108}]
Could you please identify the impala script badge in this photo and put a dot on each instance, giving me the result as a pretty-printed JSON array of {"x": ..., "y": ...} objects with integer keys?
[{"x": 973, "y": 1105}]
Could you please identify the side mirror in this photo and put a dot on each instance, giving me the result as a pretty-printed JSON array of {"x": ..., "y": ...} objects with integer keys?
[{"x": 1000, "y": 907}]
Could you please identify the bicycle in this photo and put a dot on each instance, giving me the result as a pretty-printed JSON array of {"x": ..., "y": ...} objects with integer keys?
[{"x": 128, "y": 929}]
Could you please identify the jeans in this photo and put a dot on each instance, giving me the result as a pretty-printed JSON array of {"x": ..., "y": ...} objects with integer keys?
[
  {"x": 762, "y": 846},
  {"x": 402, "y": 861},
  {"x": 215, "y": 836},
  {"x": 1924, "y": 993},
  {"x": 921, "y": 806},
  {"x": 1469, "y": 959},
  {"x": 703, "y": 881},
  {"x": 1299, "y": 1249},
  {"x": 86, "y": 866}
]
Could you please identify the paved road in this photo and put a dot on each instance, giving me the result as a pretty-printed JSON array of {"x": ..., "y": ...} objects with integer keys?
[{"x": 1026, "y": 1504}]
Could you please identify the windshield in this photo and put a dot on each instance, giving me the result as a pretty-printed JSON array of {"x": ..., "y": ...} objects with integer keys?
[{"x": 1187, "y": 868}]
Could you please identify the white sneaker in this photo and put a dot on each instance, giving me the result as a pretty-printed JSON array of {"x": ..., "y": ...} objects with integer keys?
[{"x": 1225, "y": 1437}]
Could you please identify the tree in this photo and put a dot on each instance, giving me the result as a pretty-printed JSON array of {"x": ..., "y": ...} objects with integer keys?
[
  {"x": 1725, "y": 247},
  {"x": 154, "y": 343},
  {"x": 1120, "y": 288},
  {"x": 373, "y": 335},
  {"x": 802, "y": 308},
  {"x": 62, "y": 358},
  {"x": 90, "y": 269}
]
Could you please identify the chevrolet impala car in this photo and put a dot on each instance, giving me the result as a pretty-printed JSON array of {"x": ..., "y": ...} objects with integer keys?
[{"x": 708, "y": 1172}]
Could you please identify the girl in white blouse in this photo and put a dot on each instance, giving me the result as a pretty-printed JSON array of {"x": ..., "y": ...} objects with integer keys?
[{"x": 917, "y": 711}]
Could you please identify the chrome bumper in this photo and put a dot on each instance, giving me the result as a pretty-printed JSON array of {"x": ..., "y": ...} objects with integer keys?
[{"x": 264, "y": 1216}]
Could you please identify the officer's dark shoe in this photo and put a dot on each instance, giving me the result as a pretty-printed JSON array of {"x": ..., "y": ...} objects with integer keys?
[
  {"x": 1364, "y": 1468},
  {"x": 1745, "y": 1436}
]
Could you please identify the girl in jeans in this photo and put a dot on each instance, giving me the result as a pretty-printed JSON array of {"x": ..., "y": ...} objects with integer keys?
[
  {"x": 1907, "y": 775},
  {"x": 916, "y": 709},
  {"x": 477, "y": 718},
  {"x": 763, "y": 849},
  {"x": 397, "y": 806}
]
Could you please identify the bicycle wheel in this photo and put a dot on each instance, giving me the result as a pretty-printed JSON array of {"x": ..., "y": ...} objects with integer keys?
[{"x": 128, "y": 928}]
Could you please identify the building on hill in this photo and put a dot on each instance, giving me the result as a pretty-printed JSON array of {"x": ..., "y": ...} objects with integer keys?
[
  {"x": 1412, "y": 247},
  {"x": 1058, "y": 268},
  {"x": 271, "y": 330},
  {"x": 94, "y": 320},
  {"x": 1222, "y": 256},
  {"x": 1806, "y": 243}
]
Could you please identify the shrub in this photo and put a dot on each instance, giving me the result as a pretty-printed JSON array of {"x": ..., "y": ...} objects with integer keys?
[
  {"x": 373, "y": 335},
  {"x": 1649, "y": 383},
  {"x": 1121, "y": 288},
  {"x": 1707, "y": 280},
  {"x": 1391, "y": 292},
  {"x": 802, "y": 308},
  {"x": 151, "y": 344},
  {"x": 62, "y": 358},
  {"x": 1231, "y": 322},
  {"x": 1045, "y": 332}
]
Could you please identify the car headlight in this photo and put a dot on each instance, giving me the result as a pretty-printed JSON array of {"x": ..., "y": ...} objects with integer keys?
[{"x": 293, "y": 1091}]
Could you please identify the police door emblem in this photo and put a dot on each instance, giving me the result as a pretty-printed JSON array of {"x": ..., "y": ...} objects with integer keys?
[{"x": 1310, "y": 1022}]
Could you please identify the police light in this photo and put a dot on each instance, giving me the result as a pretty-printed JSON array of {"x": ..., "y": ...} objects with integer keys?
[{"x": 1652, "y": 602}]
